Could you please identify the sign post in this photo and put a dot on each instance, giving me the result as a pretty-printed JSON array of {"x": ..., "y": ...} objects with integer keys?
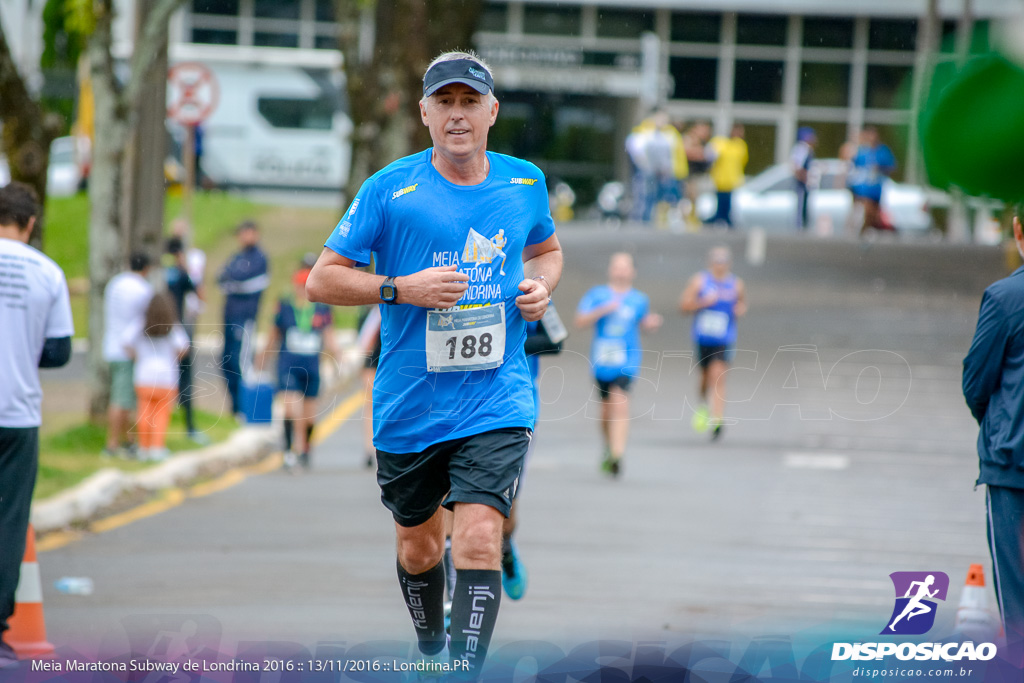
[{"x": 194, "y": 95}]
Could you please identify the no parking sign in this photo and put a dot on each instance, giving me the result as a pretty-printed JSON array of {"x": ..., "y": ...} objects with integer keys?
[{"x": 193, "y": 93}]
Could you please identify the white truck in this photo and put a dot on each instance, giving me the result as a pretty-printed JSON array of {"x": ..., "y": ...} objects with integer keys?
[{"x": 274, "y": 126}]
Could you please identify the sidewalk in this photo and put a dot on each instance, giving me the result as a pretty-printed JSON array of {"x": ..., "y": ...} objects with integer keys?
[{"x": 66, "y": 395}]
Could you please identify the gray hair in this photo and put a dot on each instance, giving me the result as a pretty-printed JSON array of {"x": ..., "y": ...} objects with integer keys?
[{"x": 454, "y": 55}]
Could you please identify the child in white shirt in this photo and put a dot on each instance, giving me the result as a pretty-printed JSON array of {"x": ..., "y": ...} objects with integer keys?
[{"x": 157, "y": 346}]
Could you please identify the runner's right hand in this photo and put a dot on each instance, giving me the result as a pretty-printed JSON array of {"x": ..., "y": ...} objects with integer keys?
[
  {"x": 708, "y": 300},
  {"x": 439, "y": 287}
]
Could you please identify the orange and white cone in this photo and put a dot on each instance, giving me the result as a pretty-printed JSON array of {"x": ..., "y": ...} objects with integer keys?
[
  {"x": 974, "y": 618},
  {"x": 27, "y": 632}
]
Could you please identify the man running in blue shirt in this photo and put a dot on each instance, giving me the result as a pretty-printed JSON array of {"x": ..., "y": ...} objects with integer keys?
[
  {"x": 618, "y": 313},
  {"x": 872, "y": 163},
  {"x": 453, "y": 408},
  {"x": 716, "y": 298},
  {"x": 301, "y": 334}
]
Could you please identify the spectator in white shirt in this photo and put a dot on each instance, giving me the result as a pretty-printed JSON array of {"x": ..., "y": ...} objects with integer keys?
[
  {"x": 124, "y": 306},
  {"x": 35, "y": 332}
]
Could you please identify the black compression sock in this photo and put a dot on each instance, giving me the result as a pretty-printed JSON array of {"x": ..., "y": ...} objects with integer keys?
[
  {"x": 424, "y": 596},
  {"x": 289, "y": 428},
  {"x": 309, "y": 437},
  {"x": 449, "y": 569},
  {"x": 474, "y": 613}
]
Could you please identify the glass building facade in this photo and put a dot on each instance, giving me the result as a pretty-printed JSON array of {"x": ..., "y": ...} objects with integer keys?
[{"x": 568, "y": 73}]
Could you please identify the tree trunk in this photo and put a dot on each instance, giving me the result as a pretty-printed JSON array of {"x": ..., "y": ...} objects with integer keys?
[
  {"x": 384, "y": 72},
  {"x": 113, "y": 220},
  {"x": 27, "y": 133},
  {"x": 144, "y": 192},
  {"x": 106, "y": 251}
]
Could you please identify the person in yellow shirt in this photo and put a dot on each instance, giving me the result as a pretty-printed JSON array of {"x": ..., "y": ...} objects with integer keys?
[{"x": 730, "y": 160}]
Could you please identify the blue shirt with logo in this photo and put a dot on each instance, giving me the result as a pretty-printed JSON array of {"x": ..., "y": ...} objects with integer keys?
[
  {"x": 871, "y": 166},
  {"x": 409, "y": 217},
  {"x": 302, "y": 333},
  {"x": 616, "y": 347},
  {"x": 716, "y": 324}
]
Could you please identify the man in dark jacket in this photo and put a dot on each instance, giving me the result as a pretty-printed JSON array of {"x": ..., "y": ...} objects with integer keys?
[
  {"x": 243, "y": 280},
  {"x": 993, "y": 385}
]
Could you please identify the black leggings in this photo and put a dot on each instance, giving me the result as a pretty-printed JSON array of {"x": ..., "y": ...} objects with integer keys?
[{"x": 19, "y": 462}]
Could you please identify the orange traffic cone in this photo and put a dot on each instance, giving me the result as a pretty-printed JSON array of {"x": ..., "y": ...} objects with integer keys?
[
  {"x": 974, "y": 618},
  {"x": 27, "y": 633}
]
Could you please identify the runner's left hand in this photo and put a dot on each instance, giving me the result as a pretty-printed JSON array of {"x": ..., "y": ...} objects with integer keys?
[{"x": 533, "y": 302}]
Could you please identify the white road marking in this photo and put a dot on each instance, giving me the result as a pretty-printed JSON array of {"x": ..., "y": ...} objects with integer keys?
[{"x": 816, "y": 461}]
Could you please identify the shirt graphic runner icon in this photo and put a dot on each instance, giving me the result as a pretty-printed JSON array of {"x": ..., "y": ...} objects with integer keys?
[
  {"x": 479, "y": 249},
  {"x": 915, "y": 606}
]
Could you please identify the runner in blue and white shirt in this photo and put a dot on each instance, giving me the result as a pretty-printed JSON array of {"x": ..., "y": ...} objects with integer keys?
[
  {"x": 466, "y": 250},
  {"x": 716, "y": 298},
  {"x": 618, "y": 313},
  {"x": 303, "y": 333}
]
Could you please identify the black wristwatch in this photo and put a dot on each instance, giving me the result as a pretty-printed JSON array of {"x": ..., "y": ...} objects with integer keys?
[{"x": 388, "y": 291}]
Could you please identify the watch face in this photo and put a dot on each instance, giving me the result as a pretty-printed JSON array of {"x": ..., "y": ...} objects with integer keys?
[{"x": 387, "y": 293}]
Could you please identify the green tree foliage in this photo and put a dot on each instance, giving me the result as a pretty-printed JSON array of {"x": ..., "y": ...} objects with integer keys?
[{"x": 67, "y": 25}]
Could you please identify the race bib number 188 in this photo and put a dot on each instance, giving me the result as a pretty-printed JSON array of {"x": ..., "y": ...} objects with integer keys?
[{"x": 462, "y": 340}]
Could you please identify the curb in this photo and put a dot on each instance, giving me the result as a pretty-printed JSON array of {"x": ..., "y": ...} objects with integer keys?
[
  {"x": 85, "y": 501},
  {"x": 82, "y": 502}
]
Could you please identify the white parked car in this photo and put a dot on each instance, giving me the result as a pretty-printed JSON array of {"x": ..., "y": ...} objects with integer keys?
[
  {"x": 768, "y": 201},
  {"x": 65, "y": 173}
]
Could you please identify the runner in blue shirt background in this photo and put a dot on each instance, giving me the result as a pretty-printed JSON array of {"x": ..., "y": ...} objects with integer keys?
[
  {"x": 872, "y": 163},
  {"x": 618, "y": 313},
  {"x": 717, "y": 298},
  {"x": 302, "y": 332},
  {"x": 466, "y": 250}
]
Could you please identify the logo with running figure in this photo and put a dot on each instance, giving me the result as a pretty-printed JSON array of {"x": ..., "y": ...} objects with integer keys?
[
  {"x": 480, "y": 249},
  {"x": 916, "y": 593}
]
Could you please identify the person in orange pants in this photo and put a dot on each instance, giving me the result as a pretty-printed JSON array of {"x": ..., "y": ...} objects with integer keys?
[
  {"x": 157, "y": 347},
  {"x": 155, "y": 407}
]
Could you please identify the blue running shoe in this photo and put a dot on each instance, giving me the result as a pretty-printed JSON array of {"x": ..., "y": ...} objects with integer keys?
[
  {"x": 433, "y": 668},
  {"x": 513, "y": 574}
]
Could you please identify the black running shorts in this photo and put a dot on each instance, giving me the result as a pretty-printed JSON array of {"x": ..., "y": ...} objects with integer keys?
[
  {"x": 605, "y": 387},
  {"x": 483, "y": 468},
  {"x": 706, "y": 354}
]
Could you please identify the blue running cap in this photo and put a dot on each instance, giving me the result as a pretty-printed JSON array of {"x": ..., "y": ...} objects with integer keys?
[{"x": 467, "y": 71}]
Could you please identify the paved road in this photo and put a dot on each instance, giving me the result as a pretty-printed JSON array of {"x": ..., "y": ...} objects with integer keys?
[{"x": 851, "y": 457}]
